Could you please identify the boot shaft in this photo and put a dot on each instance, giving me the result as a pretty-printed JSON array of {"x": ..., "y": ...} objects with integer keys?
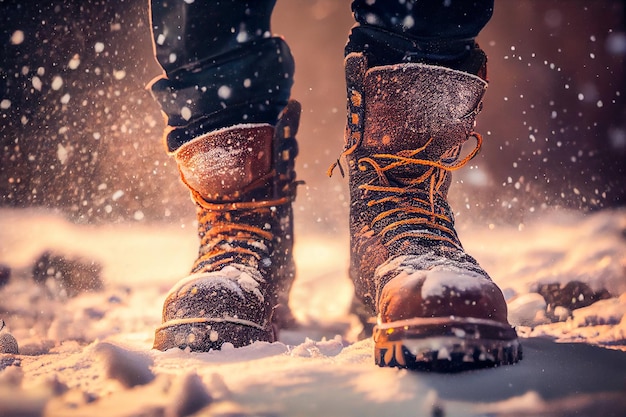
[
  {"x": 243, "y": 163},
  {"x": 393, "y": 109}
]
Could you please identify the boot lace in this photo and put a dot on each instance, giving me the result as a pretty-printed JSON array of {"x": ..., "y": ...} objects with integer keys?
[
  {"x": 229, "y": 233},
  {"x": 422, "y": 208}
]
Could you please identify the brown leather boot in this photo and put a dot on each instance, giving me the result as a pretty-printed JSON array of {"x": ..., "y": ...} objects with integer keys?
[
  {"x": 242, "y": 179},
  {"x": 436, "y": 308}
]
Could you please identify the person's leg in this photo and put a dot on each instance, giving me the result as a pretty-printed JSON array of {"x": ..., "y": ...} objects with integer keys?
[
  {"x": 415, "y": 83},
  {"x": 221, "y": 66},
  {"x": 437, "y": 32},
  {"x": 231, "y": 130}
]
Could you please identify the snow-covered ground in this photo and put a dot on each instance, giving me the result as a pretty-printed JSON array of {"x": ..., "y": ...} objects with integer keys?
[{"x": 90, "y": 355}]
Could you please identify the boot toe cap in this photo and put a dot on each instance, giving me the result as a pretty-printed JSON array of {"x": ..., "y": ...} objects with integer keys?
[
  {"x": 205, "y": 310},
  {"x": 441, "y": 292}
]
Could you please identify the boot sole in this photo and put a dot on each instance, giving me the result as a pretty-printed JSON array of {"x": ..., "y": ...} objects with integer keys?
[
  {"x": 447, "y": 344},
  {"x": 203, "y": 335}
]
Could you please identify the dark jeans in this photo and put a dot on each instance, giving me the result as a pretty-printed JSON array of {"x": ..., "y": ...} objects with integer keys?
[{"x": 222, "y": 67}]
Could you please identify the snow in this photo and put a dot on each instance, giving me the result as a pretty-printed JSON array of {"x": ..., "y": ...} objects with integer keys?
[
  {"x": 57, "y": 83},
  {"x": 555, "y": 110},
  {"x": 128, "y": 368},
  {"x": 17, "y": 37},
  {"x": 528, "y": 309},
  {"x": 91, "y": 354},
  {"x": 453, "y": 279},
  {"x": 224, "y": 92}
]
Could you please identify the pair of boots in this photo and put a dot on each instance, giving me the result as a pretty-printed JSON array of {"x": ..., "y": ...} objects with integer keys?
[{"x": 435, "y": 307}]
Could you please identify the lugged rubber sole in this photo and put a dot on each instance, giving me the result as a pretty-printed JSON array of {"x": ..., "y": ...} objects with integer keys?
[
  {"x": 203, "y": 335},
  {"x": 447, "y": 344}
]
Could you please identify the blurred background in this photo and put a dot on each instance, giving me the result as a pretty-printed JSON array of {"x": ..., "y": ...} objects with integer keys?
[{"x": 81, "y": 135}]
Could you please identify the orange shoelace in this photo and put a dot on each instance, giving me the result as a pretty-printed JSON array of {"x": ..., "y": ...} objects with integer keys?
[
  {"x": 435, "y": 174},
  {"x": 228, "y": 239}
]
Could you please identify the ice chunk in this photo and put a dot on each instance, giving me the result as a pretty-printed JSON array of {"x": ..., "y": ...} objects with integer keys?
[
  {"x": 527, "y": 310},
  {"x": 312, "y": 349},
  {"x": 189, "y": 395},
  {"x": 127, "y": 367}
]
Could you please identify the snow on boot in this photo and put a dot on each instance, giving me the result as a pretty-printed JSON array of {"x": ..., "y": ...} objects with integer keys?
[
  {"x": 242, "y": 179},
  {"x": 436, "y": 308}
]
